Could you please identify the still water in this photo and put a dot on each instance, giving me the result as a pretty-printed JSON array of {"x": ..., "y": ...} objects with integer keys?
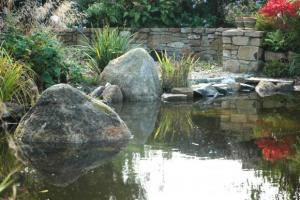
[{"x": 236, "y": 148}]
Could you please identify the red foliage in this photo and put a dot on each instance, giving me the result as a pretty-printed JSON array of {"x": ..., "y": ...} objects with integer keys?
[
  {"x": 280, "y": 8},
  {"x": 276, "y": 149}
]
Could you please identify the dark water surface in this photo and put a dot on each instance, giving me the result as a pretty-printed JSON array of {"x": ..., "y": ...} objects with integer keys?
[{"x": 235, "y": 148}]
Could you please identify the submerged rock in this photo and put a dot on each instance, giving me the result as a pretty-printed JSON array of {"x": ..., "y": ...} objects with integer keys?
[
  {"x": 64, "y": 114},
  {"x": 136, "y": 74}
]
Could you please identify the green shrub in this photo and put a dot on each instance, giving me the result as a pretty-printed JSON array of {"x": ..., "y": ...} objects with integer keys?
[
  {"x": 276, "y": 41},
  {"x": 15, "y": 80},
  {"x": 264, "y": 23},
  {"x": 242, "y": 8},
  {"x": 175, "y": 72},
  {"x": 276, "y": 69},
  {"x": 41, "y": 51},
  {"x": 101, "y": 13},
  {"x": 107, "y": 45},
  {"x": 294, "y": 69},
  {"x": 154, "y": 13}
]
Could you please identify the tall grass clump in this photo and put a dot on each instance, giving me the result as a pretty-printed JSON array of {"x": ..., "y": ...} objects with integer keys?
[
  {"x": 15, "y": 79},
  {"x": 107, "y": 45},
  {"x": 174, "y": 73}
]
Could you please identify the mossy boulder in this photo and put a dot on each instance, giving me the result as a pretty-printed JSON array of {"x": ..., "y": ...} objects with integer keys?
[{"x": 64, "y": 114}]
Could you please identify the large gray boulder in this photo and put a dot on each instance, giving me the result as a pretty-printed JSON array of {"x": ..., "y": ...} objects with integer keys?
[
  {"x": 136, "y": 74},
  {"x": 64, "y": 114}
]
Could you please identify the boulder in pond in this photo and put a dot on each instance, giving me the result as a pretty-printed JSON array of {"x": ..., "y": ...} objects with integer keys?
[
  {"x": 136, "y": 74},
  {"x": 64, "y": 114}
]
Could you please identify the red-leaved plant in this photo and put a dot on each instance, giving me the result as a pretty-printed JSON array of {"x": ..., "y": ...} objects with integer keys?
[{"x": 281, "y": 8}]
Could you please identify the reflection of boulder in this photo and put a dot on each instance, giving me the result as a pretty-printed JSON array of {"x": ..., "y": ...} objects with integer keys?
[
  {"x": 61, "y": 165},
  {"x": 140, "y": 119}
]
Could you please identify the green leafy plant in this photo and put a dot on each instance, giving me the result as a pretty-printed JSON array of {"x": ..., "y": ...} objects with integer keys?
[
  {"x": 107, "y": 45},
  {"x": 294, "y": 68},
  {"x": 15, "y": 79},
  {"x": 241, "y": 8},
  {"x": 275, "y": 41},
  {"x": 175, "y": 72},
  {"x": 41, "y": 51},
  {"x": 152, "y": 13},
  {"x": 105, "y": 12},
  {"x": 276, "y": 69}
]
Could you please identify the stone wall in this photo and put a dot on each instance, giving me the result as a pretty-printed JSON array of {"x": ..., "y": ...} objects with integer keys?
[
  {"x": 206, "y": 43},
  {"x": 239, "y": 50},
  {"x": 242, "y": 50}
]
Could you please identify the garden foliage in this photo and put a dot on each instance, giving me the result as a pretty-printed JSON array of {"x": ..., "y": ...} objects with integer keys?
[
  {"x": 153, "y": 13},
  {"x": 281, "y": 20},
  {"x": 15, "y": 80},
  {"x": 175, "y": 72},
  {"x": 41, "y": 51},
  {"x": 107, "y": 45}
]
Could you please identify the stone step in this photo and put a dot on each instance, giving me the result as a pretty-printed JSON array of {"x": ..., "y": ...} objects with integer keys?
[
  {"x": 174, "y": 97},
  {"x": 273, "y": 80}
]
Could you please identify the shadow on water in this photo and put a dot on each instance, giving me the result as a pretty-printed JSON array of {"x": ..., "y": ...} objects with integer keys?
[{"x": 242, "y": 146}]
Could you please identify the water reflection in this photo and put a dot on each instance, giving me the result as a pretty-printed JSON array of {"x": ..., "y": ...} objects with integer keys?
[
  {"x": 240, "y": 147},
  {"x": 62, "y": 165}
]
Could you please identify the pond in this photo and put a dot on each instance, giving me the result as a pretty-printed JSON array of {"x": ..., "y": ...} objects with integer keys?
[{"x": 238, "y": 147}]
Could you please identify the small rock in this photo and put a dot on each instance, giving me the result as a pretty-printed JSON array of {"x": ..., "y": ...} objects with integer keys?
[
  {"x": 297, "y": 88},
  {"x": 97, "y": 93},
  {"x": 247, "y": 87},
  {"x": 205, "y": 90},
  {"x": 284, "y": 87},
  {"x": 234, "y": 87},
  {"x": 112, "y": 94},
  {"x": 14, "y": 112},
  {"x": 222, "y": 88},
  {"x": 184, "y": 90},
  {"x": 228, "y": 80},
  {"x": 174, "y": 97},
  {"x": 265, "y": 88}
]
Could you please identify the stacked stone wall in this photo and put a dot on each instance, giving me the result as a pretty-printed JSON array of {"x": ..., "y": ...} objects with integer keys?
[
  {"x": 205, "y": 43},
  {"x": 238, "y": 50},
  {"x": 242, "y": 50}
]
